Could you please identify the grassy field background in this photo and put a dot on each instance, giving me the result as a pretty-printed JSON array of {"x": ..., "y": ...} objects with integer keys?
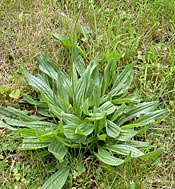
[{"x": 131, "y": 31}]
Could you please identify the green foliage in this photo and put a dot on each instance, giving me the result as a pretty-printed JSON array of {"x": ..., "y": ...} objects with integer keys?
[{"x": 89, "y": 109}]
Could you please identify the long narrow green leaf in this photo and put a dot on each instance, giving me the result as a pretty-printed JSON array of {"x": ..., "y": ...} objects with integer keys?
[
  {"x": 80, "y": 65},
  {"x": 96, "y": 95},
  {"x": 106, "y": 157},
  {"x": 85, "y": 107},
  {"x": 126, "y": 135},
  {"x": 153, "y": 154},
  {"x": 26, "y": 132},
  {"x": 44, "y": 134},
  {"x": 92, "y": 77},
  {"x": 118, "y": 112},
  {"x": 63, "y": 87},
  {"x": 136, "y": 111},
  {"x": 30, "y": 100},
  {"x": 85, "y": 129},
  {"x": 136, "y": 143},
  {"x": 141, "y": 108},
  {"x": 123, "y": 81},
  {"x": 150, "y": 117},
  {"x": 6, "y": 126},
  {"x": 57, "y": 180},
  {"x": 47, "y": 67},
  {"x": 65, "y": 41},
  {"x": 80, "y": 94},
  {"x": 108, "y": 75},
  {"x": 58, "y": 149},
  {"x": 71, "y": 119},
  {"x": 125, "y": 150},
  {"x": 32, "y": 124},
  {"x": 13, "y": 113},
  {"x": 45, "y": 113},
  {"x": 101, "y": 124},
  {"x": 96, "y": 116},
  {"x": 33, "y": 143},
  {"x": 68, "y": 143},
  {"x": 70, "y": 132},
  {"x": 131, "y": 126},
  {"x": 108, "y": 107},
  {"x": 84, "y": 88},
  {"x": 112, "y": 129},
  {"x": 125, "y": 100},
  {"x": 55, "y": 110},
  {"x": 41, "y": 86}
]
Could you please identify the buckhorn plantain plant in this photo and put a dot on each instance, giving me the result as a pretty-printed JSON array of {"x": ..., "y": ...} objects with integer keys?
[{"x": 89, "y": 109}]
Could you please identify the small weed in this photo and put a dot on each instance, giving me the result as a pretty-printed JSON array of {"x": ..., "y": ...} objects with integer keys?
[{"x": 139, "y": 31}]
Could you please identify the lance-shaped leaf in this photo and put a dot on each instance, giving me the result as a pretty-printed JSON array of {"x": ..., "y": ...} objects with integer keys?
[
  {"x": 108, "y": 107},
  {"x": 86, "y": 32},
  {"x": 96, "y": 116},
  {"x": 30, "y": 100},
  {"x": 57, "y": 180},
  {"x": 57, "y": 111},
  {"x": 70, "y": 132},
  {"x": 145, "y": 120},
  {"x": 27, "y": 132},
  {"x": 63, "y": 86},
  {"x": 153, "y": 154},
  {"x": 84, "y": 129},
  {"x": 13, "y": 113},
  {"x": 6, "y": 126},
  {"x": 65, "y": 41},
  {"x": 85, "y": 106},
  {"x": 123, "y": 81},
  {"x": 150, "y": 117},
  {"x": 118, "y": 112},
  {"x": 112, "y": 129},
  {"x": 23, "y": 131},
  {"x": 58, "y": 149},
  {"x": 71, "y": 119},
  {"x": 142, "y": 108},
  {"x": 108, "y": 75},
  {"x": 33, "y": 143},
  {"x": 80, "y": 94},
  {"x": 45, "y": 113},
  {"x": 130, "y": 99},
  {"x": 108, "y": 158},
  {"x": 136, "y": 111},
  {"x": 46, "y": 134},
  {"x": 96, "y": 95},
  {"x": 32, "y": 124},
  {"x": 79, "y": 65},
  {"x": 54, "y": 72},
  {"x": 40, "y": 86},
  {"x": 100, "y": 124},
  {"x": 125, "y": 150},
  {"x": 84, "y": 87},
  {"x": 126, "y": 135},
  {"x": 47, "y": 67},
  {"x": 125, "y": 100},
  {"x": 131, "y": 126},
  {"x": 137, "y": 144}
]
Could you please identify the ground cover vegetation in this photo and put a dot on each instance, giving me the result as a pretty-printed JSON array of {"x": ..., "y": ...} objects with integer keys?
[{"x": 139, "y": 32}]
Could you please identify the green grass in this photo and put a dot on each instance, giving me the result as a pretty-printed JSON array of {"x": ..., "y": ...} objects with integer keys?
[{"x": 132, "y": 31}]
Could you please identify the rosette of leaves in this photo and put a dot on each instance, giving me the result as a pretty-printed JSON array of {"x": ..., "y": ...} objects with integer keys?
[{"x": 88, "y": 109}]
